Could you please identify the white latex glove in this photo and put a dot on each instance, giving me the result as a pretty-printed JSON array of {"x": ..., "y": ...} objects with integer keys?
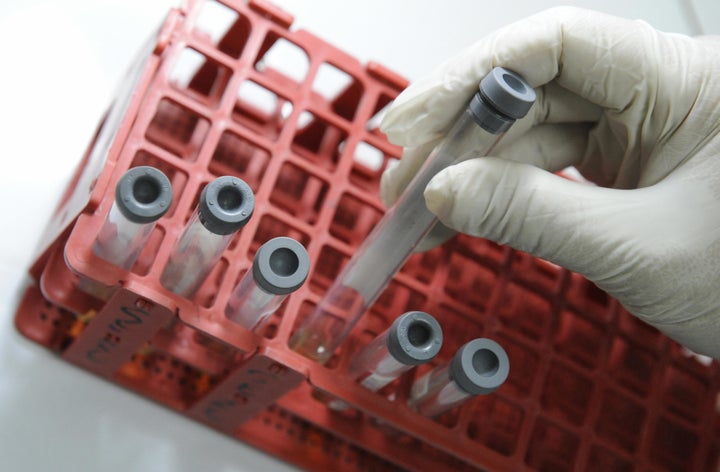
[{"x": 637, "y": 112}]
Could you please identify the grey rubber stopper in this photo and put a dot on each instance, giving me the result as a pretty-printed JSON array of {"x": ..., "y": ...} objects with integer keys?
[
  {"x": 503, "y": 97},
  {"x": 226, "y": 205},
  {"x": 480, "y": 366},
  {"x": 143, "y": 194},
  {"x": 414, "y": 338},
  {"x": 281, "y": 266}
]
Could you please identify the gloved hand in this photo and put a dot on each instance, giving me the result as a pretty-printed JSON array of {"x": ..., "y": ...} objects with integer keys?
[{"x": 637, "y": 112}]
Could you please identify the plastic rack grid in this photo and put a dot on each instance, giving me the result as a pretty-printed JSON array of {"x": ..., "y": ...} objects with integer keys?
[{"x": 590, "y": 387}]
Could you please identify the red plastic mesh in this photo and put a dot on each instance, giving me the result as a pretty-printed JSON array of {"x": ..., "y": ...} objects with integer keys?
[{"x": 590, "y": 387}]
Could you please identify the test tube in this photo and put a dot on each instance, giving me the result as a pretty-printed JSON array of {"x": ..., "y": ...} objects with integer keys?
[
  {"x": 226, "y": 204},
  {"x": 478, "y": 368},
  {"x": 413, "y": 339},
  {"x": 280, "y": 267},
  {"x": 142, "y": 195},
  {"x": 502, "y": 98}
]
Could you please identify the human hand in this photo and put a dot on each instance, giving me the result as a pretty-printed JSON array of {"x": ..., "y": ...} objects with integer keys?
[{"x": 637, "y": 112}]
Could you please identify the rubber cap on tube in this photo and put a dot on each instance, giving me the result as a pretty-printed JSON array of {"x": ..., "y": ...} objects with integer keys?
[
  {"x": 414, "y": 338},
  {"x": 480, "y": 366},
  {"x": 281, "y": 266},
  {"x": 503, "y": 97},
  {"x": 508, "y": 92},
  {"x": 226, "y": 205},
  {"x": 143, "y": 194}
]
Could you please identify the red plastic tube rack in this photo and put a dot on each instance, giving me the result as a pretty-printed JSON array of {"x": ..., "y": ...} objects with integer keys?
[{"x": 590, "y": 387}]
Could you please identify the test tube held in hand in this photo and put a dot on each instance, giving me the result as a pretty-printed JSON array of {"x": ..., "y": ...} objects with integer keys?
[
  {"x": 142, "y": 195},
  {"x": 226, "y": 204},
  {"x": 503, "y": 97},
  {"x": 478, "y": 368},
  {"x": 279, "y": 267},
  {"x": 413, "y": 339}
]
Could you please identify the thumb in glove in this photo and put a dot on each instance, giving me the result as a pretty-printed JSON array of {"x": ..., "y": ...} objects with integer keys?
[{"x": 652, "y": 248}]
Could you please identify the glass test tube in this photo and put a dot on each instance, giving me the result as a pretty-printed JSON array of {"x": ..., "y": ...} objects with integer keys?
[
  {"x": 142, "y": 195},
  {"x": 413, "y": 339},
  {"x": 478, "y": 368},
  {"x": 226, "y": 204},
  {"x": 502, "y": 98},
  {"x": 280, "y": 267}
]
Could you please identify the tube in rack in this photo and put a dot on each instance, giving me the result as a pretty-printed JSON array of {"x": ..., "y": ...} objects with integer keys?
[
  {"x": 226, "y": 204},
  {"x": 413, "y": 339},
  {"x": 142, "y": 195},
  {"x": 503, "y": 97},
  {"x": 478, "y": 368},
  {"x": 280, "y": 267}
]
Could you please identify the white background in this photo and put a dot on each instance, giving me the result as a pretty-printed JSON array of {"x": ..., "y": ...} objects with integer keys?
[{"x": 60, "y": 62}]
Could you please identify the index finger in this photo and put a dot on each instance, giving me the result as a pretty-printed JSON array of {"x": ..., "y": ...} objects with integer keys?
[{"x": 595, "y": 56}]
